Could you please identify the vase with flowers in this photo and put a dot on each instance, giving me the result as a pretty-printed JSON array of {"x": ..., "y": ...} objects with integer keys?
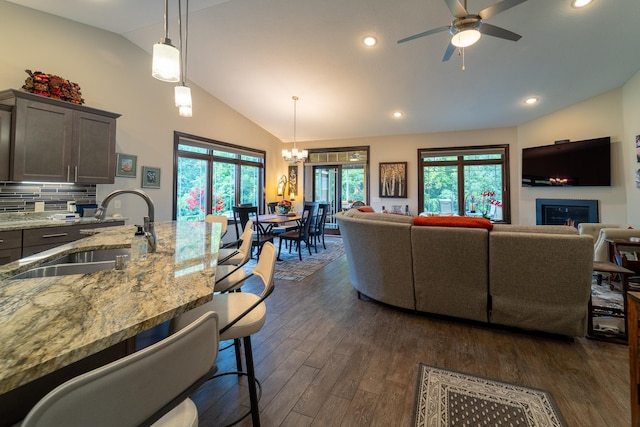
[
  {"x": 487, "y": 200},
  {"x": 284, "y": 207}
]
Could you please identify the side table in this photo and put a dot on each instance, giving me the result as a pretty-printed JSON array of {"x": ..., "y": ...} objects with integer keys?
[
  {"x": 634, "y": 362},
  {"x": 618, "y": 256},
  {"x": 598, "y": 311}
]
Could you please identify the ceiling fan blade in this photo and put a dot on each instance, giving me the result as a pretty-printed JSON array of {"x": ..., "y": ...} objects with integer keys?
[
  {"x": 426, "y": 33},
  {"x": 447, "y": 53},
  {"x": 498, "y": 7},
  {"x": 492, "y": 30},
  {"x": 456, "y": 8}
]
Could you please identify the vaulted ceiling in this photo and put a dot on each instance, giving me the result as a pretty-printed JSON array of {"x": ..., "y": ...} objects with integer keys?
[{"x": 254, "y": 55}]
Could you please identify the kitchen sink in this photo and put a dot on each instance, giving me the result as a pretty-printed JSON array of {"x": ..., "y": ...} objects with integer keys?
[
  {"x": 96, "y": 255},
  {"x": 76, "y": 263}
]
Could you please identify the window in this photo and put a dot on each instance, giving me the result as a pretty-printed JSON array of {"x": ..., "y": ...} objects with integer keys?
[
  {"x": 471, "y": 181},
  {"x": 213, "y": 176}
]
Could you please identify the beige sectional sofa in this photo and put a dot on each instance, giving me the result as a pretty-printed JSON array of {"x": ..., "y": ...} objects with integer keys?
[{"x": 531, "y": 277}]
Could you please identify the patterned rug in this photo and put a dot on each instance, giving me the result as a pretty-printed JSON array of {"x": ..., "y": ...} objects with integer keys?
[
  {"x": 448, "y": 398},
  {"x": 291, "y": 268}
]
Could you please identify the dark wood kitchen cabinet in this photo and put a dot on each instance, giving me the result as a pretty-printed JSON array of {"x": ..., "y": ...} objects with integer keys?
[
  {"x": 36, "y": 240},
  {"x": 10, "y": 246},
  {"x": 57, "y": 141},
  {"x": 5, "y": 141}
]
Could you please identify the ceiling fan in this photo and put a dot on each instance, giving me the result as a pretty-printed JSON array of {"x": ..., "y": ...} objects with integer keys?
[{"x": 466, "y": 28}]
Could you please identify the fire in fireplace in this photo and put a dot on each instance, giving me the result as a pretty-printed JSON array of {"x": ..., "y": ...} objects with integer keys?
[{"x": 566, "y": 211}]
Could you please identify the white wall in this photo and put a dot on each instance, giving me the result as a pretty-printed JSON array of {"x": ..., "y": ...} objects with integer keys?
[
  {"x": 401, "y": 148},
  {"x": 593, "y": 118},
  {"x": 115, "y": 75}
]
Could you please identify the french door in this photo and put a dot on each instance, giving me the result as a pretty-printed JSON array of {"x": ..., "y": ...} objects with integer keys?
[
  {"x": 326, "y": 189},
  {"x": 340, "y": 186}
]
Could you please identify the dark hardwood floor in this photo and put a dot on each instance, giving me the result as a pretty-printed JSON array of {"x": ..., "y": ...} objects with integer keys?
[{"x": 326, "y": 358}]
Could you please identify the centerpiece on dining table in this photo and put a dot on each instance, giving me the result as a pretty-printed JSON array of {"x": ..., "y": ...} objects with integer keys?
[{"x": 284, "y": 207}]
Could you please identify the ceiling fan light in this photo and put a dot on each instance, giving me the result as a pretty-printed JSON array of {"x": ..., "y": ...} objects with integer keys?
[
  {"x": 580, "y": 3},
  {"x": 165, "y": 65},
  {"x": 465, "y": 38}
]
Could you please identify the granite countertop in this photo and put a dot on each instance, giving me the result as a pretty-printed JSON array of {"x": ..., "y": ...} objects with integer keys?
[
  {"x": 47, "y": 323},
  {"x": 26, "y": 220}
]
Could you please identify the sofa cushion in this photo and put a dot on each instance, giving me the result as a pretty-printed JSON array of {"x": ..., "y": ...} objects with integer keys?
[
  {"x": 453, "y": 221},
  {"x": 442, "y": 286}
]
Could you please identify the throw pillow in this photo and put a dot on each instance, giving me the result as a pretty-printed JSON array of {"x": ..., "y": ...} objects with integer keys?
[
  {"x": 453, "y": 221},
  {"x": 366, "y": 209}
]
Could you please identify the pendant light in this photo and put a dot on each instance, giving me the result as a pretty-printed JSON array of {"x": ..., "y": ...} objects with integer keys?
[
  {"x": 165, "y": 65},
  {"x": 183, "y": 92},
  {"x": 295, "y": 156}
]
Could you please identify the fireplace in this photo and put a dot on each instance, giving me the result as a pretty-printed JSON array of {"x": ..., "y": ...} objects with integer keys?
[{"x": 566, "y": 211}]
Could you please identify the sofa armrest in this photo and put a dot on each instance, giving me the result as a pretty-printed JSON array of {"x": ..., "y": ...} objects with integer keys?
[
  {"x": 601, "y": 246},
  {"x": 593, "y": 228}
]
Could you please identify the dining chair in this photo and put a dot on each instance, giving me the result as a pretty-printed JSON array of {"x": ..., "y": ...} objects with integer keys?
[
  {"x": 221, "y": 219},
  {"x": 271, "y": 207},
  {"x": 317, "y": 231},
  {"x": 149, "y": 387},
  {"x": 446, "y": 206},
  {"x": 241, "y": 215},
  {"x": 236, "y": 256},
  {"x": 301, "y": 233},
  {"x": 224, "y": 222},
  {"x": 241, "y": 314}
]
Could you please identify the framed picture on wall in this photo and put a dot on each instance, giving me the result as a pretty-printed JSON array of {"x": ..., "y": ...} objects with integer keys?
[
  {"x": 293, "y": 179},
  {"x": 393, "y": 180},
  {"x": 638, "y": 148},
  {"x": 126, "y": 165},
  {"x": 150, "y": 177}
]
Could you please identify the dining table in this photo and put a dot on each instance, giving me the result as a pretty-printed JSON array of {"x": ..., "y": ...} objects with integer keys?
[
  {"x": 276, "y": 219},
  {"x": 276, "y": 223}
]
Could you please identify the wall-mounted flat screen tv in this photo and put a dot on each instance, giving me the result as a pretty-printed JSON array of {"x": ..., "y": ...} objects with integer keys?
[{"x": 567, "y": 164}]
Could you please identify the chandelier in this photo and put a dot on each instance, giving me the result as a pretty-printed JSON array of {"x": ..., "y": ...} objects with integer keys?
[{"x": 294, "y": 156}]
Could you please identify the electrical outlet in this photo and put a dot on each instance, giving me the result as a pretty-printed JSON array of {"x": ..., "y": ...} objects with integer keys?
[{"x": 117, "y": 204}]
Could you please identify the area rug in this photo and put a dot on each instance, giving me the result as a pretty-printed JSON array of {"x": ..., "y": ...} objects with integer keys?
[
  {"x": 291, "y": 268},
  {"x": 447, "y": 398}
]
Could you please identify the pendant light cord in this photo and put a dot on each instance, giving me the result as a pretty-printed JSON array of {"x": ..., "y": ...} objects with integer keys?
[
  {"x": 186, "y": 41},
  {"x": 183, "y": 53},
  {"x": 166, "y": 19},
  {"x": 295, "y": 120}
]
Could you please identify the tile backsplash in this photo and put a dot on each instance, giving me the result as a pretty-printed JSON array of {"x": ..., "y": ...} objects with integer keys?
[{"x": 21, "y": 197}]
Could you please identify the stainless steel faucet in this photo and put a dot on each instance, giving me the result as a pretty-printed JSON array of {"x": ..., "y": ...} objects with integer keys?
[{"x": 149, "y": 231}]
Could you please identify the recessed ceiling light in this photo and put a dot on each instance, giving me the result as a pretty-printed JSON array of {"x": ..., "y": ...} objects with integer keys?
[
  {"x": 398, "y": 114},
  {"x": 531, "y": 100},
  {"x": 580, "y": 3},
  {"x": 369, "y": 41}
]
